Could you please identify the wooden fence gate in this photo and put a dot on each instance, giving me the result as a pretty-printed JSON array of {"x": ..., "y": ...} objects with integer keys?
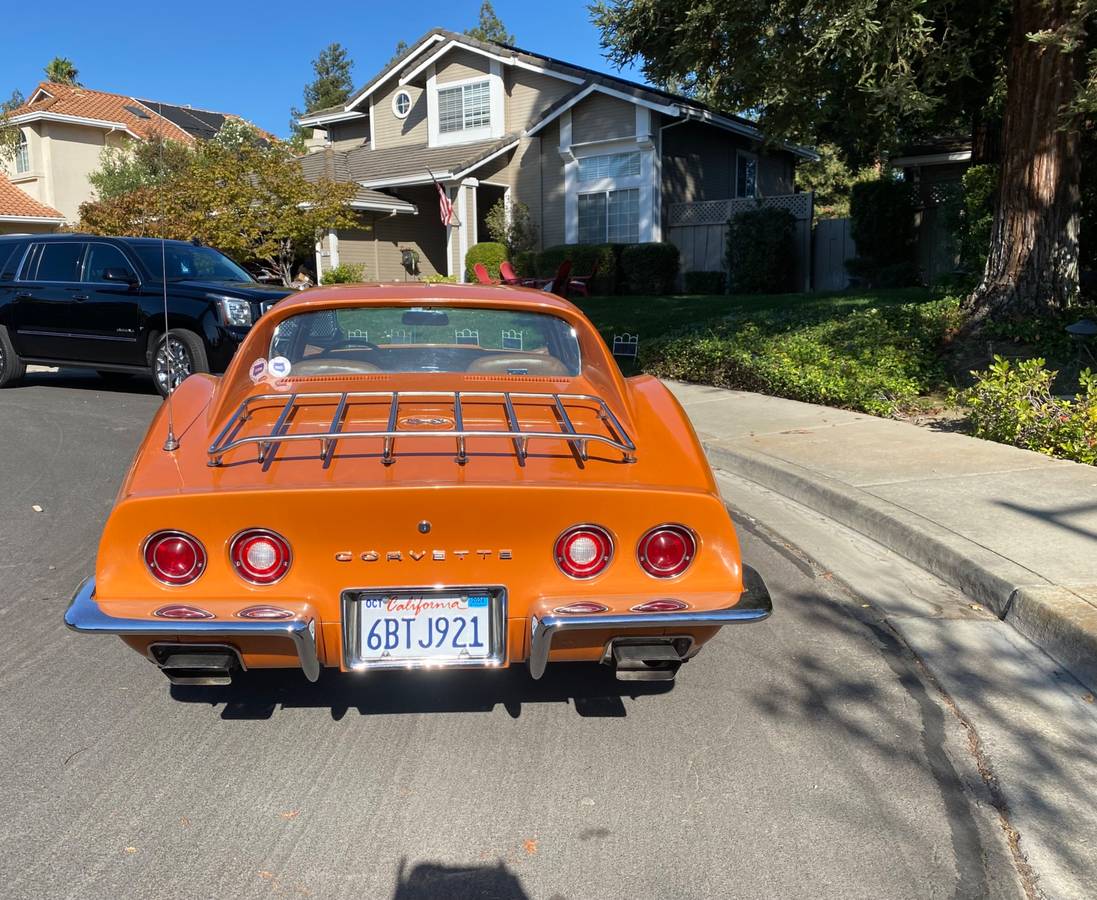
[{"x": 700, "y": 231}]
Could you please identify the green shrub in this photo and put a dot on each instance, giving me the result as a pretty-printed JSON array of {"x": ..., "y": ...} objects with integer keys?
[
  {"x": 345, "y": 273},
  {"x": 489, "y": 253},
  {"x": 876, "y": 360},
  {"x": 705, "y": 282},
  {"x": 583, "y": 259},
  {"x": 760, "y": 251},
  {"x": 1013, "y": 404},
  {"x": 980, "y": 193},
  {"x": 438, "y": 279},
  {"x": 525, "y": 263},
  {"x": 882, "y": 226},
  {"x": 650, "y": 268}
]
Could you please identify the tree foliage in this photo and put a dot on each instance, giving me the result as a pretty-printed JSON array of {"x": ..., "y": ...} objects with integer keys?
[
  {"x": 330, "y": 86},
  {"x": 138, "y": 164},
  {"x": 9, "y": 134},
  {"x": 60, "y": 70},
  {"x": 514, "y": 227},
  {"x": 831, "y": 179},
  {"x": 490, "y": 27},
  {"x": 248, "y": 198}
]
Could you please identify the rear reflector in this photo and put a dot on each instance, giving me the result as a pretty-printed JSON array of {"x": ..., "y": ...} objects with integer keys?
[
  {"x": 583, "y": 606},
  {"x": 583, "y": 551},
  {"x": 177, "y": 611},
  {"x": 662, "y": 605},
  {"x": 174, "y": 557},
  {"x": 667, "y": 550},
  {"x": 265, "y": 612},
  {"x": 260, "y": 556}
]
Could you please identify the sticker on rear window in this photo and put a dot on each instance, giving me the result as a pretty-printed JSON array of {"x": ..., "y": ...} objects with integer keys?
[
  {"x": 258, "y": 370},
  {"x": 279, "y": 367}
]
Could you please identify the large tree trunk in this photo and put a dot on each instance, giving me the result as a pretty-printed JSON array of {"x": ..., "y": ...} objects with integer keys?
[{"x": 1032, "y": 267}]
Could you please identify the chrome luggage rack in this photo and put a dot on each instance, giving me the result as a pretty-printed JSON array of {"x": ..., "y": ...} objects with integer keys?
[{"x": 230, "y": 439}]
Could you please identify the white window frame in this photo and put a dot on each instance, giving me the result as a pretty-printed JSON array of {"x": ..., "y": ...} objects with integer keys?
[
  {"x": 494, "y": 128},
  {"x": 753, "y": 157},
  {"x": 647, "y": 182},
  {"x": 22, "y": 154},
  {"x": 396, "y": 110}
]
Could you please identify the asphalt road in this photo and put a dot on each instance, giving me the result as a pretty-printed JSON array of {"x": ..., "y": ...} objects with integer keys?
[{"x": 803, "y": 757}]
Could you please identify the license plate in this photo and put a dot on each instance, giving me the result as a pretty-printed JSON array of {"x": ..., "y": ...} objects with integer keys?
[{"x": 434, "y": 627}]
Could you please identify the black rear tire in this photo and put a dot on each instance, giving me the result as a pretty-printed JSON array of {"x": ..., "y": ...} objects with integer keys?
[
  {"x": 12, "y": 368},
  {"x": 181, "y": 353}
]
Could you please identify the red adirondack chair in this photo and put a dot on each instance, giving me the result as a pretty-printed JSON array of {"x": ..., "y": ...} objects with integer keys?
[
  {"x": 581, "y": 283},
  {"x": 482, "y": 275},
  {"x": 560, "y": 283},
  {"x": 509, "y": 275}
]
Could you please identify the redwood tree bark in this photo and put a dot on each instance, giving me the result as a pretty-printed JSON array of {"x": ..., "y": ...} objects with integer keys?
[{"x": 1032, "y": 266}]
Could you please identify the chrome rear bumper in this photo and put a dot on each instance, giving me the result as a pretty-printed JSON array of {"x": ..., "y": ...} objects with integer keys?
[
  {"x": 85, "y": 615},
  {"x": 754, "y": 605}
]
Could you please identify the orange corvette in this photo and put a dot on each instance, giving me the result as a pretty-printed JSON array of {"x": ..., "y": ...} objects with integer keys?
[{"x": 418, "y": 476}]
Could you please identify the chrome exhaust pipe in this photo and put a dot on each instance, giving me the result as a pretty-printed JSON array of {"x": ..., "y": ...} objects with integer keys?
[
  {"x": 197, "y": 664},
  {"x": 646, "y": 662}
]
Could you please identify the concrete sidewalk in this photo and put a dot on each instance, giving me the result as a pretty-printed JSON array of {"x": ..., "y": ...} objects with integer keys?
[{"x": 1014, "y": 530}]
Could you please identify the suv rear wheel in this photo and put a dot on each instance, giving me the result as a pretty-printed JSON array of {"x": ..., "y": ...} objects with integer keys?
[
  {"x": 11, "y": 366},
  {"x": 177, "y": 354}
]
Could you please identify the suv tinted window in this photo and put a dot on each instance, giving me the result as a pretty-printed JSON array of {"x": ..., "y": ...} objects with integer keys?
[
  {"x": 59, "y": 262},
  {"x": 10, "y": 255},
  {"x": 102, "y": 257}
]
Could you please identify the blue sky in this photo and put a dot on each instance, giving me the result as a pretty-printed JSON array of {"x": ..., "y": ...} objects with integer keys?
[{"x": 253, "y": 59}]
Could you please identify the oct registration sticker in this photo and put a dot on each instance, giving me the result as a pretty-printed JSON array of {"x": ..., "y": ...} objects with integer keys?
[{"x": 279, "y": 367}]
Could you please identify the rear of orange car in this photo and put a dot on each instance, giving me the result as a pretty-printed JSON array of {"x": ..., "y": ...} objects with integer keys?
[{"x": 360, "y": 518}]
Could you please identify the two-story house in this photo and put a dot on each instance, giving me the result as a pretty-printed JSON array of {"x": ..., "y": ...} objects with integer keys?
[
  {"x": 63, "y": 130},
  {"x": 595, "y": 158}
]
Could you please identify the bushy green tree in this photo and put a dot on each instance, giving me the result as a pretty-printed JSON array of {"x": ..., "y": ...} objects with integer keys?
[
  {"x": 9, "y": 134},
  {"x": 513, "y": 227},
  {"x": 139, "y": 164},
  {"x": 831, "y": 179},
  {"x": 490, "y": 27},
  {"x": 330, "y": 86}
]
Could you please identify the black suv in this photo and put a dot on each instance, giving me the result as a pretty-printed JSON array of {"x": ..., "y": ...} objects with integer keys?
[{"x": 98, "y": 302}]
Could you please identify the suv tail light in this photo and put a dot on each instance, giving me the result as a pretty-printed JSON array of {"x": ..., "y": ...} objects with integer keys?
[
  {"x": 174, "y": 557},
  {"x": 667, "y": 550},
  {"x": 260, "y": 556},
  {"x": 583, "y": 551}
]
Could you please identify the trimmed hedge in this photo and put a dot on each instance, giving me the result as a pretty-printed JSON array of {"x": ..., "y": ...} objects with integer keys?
[
  {"x": 882, "y": 226},
  {"x": 650, "y": 268},
  {"x": 761, "y": 252},
  {"x": 705, "y": 282},
  {"x": 489, "y": 253}
]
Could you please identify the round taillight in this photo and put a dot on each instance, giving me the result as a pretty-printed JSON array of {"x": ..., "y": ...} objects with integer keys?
[
  {"x": 667, "y": 550},
  {"x": 175, "y": 557},
  {"x": 260, "y": 556},
  {"x": 583, "y": 551}
]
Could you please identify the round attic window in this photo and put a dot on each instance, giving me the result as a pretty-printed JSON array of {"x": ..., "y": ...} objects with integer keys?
[{"x": 401, "y": 105}]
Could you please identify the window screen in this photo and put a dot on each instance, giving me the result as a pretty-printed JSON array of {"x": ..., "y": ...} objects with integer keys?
[
  {"x": 60, "y": 262},
  {"x": 612, "y": 165},
  {"x": 464, "y": 107},
  {"x": 592, "y": 218}
]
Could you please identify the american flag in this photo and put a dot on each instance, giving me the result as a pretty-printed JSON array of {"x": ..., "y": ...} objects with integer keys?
[{"x": 445, "y": 205}]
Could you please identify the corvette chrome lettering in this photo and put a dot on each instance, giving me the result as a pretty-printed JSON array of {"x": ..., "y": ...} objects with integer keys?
[{"x": 395, "y": 556}]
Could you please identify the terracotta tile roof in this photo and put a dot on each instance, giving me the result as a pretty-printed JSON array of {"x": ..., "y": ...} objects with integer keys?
[
  {"x": 15, "y": 202},
  {"x": 145, "y": 118}
]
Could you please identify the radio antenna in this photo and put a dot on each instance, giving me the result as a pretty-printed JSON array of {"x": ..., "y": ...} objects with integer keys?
[{"x": 171, "y": 442}]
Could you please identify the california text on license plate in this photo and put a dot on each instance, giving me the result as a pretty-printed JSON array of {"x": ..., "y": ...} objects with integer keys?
[{"x": 427, "y": 627}]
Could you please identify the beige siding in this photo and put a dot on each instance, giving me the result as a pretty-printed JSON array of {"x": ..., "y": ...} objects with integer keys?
[
  {"x": 600, "y": 117},
  {"x": 525, "y": 178},
  {"x": 348, "y": 135},
  {"x": 458, "y": 64},
  {"x": 391, "y": 131},
  {"x": 529, "y": 95},
  {"x": 552, "y": 186}
]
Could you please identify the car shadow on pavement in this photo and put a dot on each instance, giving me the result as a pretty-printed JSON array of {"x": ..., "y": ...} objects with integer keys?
[
  {"x": 592, "y": 689},
  {"x": 427, "y": 881}
]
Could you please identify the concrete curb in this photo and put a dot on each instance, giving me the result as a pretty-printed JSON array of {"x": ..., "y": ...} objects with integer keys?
[{"x": 1054, "y": 618}]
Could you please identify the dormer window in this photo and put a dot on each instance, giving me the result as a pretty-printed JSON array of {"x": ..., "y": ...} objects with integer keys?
[{"x": 464, "y": 108}]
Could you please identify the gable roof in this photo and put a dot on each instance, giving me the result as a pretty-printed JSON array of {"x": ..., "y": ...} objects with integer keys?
[
  {"x": 141, "y": 119},
  {"x": 18, "y": 205},
  {"x": 438, "y": 41}
]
